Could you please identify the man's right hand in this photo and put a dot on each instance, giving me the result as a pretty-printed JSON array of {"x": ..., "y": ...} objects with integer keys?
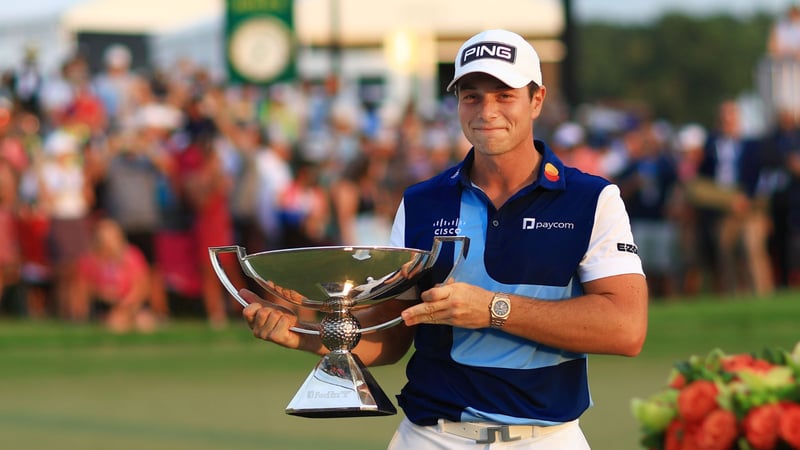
[{"x": 269, "y": 321}]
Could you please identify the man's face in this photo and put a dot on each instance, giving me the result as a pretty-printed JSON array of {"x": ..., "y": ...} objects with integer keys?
[
  {"x": 494, "y": 117},
  {"x": 729, "y": 119}
]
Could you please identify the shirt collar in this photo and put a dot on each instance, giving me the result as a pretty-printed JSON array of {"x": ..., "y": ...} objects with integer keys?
[{"x": 550, "y": 174}]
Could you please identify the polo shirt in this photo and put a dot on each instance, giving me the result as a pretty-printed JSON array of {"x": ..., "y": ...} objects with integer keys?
[{"x": 566, "y": 228}]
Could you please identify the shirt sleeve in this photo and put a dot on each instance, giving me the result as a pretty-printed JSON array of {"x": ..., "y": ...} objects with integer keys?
[
  {"x": 611, "y": 250},
  {"x": 398, "y": 236}
]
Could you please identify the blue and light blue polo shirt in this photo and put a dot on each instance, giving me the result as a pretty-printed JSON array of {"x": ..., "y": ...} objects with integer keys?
[{"x": 566, "y": 228}]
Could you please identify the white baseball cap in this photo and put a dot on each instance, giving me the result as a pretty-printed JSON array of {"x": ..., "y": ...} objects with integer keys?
[
  {"x": 569, "y": 134},
  {"x": 502, "y": 54},
  {"x": 691, "y": 136}
]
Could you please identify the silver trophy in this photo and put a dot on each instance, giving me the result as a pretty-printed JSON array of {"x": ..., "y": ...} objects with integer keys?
[{"x": 337, "y": 281}]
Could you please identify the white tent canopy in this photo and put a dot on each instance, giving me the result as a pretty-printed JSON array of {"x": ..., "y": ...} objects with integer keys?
[
  {"x": 139, "y": 16},
  {"x": 359, "y": 21},
  {"x": 368, "y": 21}
]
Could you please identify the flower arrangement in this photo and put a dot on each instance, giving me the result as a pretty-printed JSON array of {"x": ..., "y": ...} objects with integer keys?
[{"x": 726, "y": 402}]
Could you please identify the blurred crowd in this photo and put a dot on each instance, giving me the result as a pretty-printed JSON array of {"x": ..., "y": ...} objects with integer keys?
[{"x": 113, "y": 185}]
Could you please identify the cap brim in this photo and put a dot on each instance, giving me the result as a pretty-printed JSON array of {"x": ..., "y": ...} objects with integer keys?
[{"x": 509, "y": 77}]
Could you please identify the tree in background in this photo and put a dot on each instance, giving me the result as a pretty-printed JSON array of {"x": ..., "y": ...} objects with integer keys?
[{"x": 679, "y": 67}]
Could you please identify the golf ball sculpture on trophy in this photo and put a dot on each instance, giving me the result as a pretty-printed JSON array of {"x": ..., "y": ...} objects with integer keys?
[{"x": 336, "y": 281}]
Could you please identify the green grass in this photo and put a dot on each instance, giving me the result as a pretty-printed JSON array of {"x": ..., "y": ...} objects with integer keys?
[{"x": 189, "y": 387}]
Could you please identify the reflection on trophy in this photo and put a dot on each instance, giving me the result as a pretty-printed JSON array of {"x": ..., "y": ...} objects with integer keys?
[{"x": 337, "y": 281}]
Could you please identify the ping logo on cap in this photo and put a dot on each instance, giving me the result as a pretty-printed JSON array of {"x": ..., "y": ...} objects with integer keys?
[{"x": 489, "y": 50}]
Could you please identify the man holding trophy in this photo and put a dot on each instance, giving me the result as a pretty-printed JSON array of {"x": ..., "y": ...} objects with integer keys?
[{"x": 552, "y": 275}]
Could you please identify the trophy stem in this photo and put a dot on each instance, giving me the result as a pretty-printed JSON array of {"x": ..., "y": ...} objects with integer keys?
[{"x": 340, "y": 386}]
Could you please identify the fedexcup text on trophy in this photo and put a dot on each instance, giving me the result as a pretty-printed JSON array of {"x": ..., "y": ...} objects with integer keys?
[{"x": 329, "y": 394}]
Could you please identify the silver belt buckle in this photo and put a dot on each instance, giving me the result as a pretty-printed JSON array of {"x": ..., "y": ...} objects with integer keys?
[{"x": 493, "y": 432}]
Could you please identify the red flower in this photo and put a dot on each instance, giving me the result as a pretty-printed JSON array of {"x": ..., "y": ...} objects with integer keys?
[
  {"x": 789, "y": 425},
  {"x": 737, "y": 363},
  {"x": 761, "y": 426},
  {"x": 717, "y": 431},
  {"x": 691, "y": 433},
  {"x": 678, "y": 381},
  {"x": 674, "y": 435},
  {"x": 680, "y": 436},
  {"x": 696, "y": 400}
]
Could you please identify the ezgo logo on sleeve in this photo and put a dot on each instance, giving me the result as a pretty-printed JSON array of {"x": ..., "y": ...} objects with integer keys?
[{"x": 530, "y": 223}]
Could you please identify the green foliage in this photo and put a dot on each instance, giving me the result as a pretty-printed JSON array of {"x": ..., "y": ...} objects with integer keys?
[{"x": 680, "y": 67}]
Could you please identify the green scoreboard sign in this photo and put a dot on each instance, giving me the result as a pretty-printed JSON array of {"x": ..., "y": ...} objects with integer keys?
[{"x": 259, "y": 41}]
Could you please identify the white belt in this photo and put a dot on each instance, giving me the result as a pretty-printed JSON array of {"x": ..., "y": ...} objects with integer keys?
[{"x": 486, "y": 432}]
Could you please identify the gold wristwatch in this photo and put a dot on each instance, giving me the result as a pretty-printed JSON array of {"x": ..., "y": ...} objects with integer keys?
[{"x": 499, "y": 310}]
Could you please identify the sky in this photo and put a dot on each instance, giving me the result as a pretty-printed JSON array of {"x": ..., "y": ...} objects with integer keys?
[{"x": 620, "y": 11}]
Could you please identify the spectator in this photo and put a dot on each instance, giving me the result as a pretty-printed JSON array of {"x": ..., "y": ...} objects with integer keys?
[
  {"x": 784, "y": 37},
  {"x": 115, "y": 85},
  {"x": 780, "y": 72},
  {"x": 67, "y": 197},
  {"x": 363, "y": 210},
  {"x": 740, "y": 224},
  {"x": 83, "y": 113},
  {"x": 12, "y": 140},
  {"x": 206, "y": 186},
  {"x": 112, "y": 284},
  {"x": 13, "y": 161},
  {"x": 242, "y": 143},
  {"x": 274, "y": 176},
  {"x": 782, "y": 159},
  {"x": 692, "y": 260},
  {"x": 9, "y": 248},
  {"x": 33, "y": 227},
  {"x": 140, "y": 161},
  {"x": 614, "y": 157},
  {"x": 57, "y": 92},
  {"x": 793, "y": 229},
  {"x": 280, "y": 114},
  {"x": 304, "y": 208},
  {"x": 646, "y": 183},
  {"x": 439, "y": 144},
  {"x": 28, "y": 81},
  {"x": 569, "y": 144},
  {"x": 33, "y": 223}
]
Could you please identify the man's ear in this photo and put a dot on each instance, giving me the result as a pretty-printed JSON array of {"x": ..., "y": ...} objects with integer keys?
[{"x": 538, "y": 101}]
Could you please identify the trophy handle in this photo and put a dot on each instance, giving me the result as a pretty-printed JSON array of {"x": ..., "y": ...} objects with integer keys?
[
  {"x": 460, "y": 256},
  {"x": 461, "y": 241},
  {"x": 214, "y": 252}
]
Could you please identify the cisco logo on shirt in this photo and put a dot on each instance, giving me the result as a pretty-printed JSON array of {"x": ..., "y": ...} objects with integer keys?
[
  {"x": 530, "y": 223},
  {"x": 444, "y": 227}
]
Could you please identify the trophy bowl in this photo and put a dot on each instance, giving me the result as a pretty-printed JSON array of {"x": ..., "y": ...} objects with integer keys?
[{"x": 337, "y": 281}]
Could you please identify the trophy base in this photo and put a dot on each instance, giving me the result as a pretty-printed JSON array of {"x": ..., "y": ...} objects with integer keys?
[{"x": 340, "y": 386}]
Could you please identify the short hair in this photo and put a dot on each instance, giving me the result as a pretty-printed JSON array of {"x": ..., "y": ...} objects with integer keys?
[{"x": 532, "y": 89}]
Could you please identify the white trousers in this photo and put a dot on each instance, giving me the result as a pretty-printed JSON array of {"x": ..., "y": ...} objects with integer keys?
[{"x": 414, "y": 437}]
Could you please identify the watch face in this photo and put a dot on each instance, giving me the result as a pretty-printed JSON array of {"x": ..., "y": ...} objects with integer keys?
[
  {"x": 500, "y": 307},
  {"x": 260, "y": 49}
]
